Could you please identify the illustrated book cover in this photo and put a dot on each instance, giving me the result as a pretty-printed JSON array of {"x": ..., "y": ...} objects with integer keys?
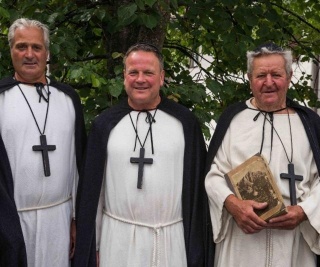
[{"x": 253, "y": 180}]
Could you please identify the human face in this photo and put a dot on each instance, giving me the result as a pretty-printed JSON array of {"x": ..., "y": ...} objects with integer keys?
[
  {"x": 29, "y": 55},
  {"x": 143, "y": 78},
  {"x": 269, "y": 82}
]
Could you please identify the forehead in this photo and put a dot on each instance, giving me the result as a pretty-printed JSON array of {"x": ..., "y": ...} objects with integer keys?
[
  {"x": 142, "y": 58},
  {"x": 30, "y": 35},
  {"x": 269, "y": 62}
]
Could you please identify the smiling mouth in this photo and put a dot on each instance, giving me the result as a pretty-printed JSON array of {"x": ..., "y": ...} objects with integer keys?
[{"x": 30, "y": 63}]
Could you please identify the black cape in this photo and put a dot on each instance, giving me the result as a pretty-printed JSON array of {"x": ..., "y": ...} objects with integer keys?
[
  {"x": 194, "y": 200},
  {"x": 12, "y": 246},
  {"x": 310, "y": 121}
]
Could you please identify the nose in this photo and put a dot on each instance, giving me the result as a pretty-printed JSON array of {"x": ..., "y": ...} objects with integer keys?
[
  {"x": 29, "y": 52},
  {"x": 140, "y": 77},
  {"x": 269, "y": 80}
]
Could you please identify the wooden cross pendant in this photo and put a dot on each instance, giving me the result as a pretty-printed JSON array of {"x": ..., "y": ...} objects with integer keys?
[
  {"x": 44, "y": 148},
  {"x": 141, "y": 161},
  {"x": 292, "y": 185}
]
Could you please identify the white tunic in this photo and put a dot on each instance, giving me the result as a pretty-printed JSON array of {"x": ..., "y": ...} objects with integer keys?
[
  {"x": 143, "y": 227},
  {"x": 44, "y": 203},
  {"x": 285, "y": 248}
]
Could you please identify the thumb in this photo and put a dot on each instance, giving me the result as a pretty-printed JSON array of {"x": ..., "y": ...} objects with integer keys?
[{"x": 259, "y": 206}]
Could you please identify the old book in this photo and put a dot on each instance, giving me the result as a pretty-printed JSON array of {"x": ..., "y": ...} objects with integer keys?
[{"x": 253, "y": 180}]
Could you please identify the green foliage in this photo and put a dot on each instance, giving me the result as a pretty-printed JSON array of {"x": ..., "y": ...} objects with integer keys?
[
  {"x": 4, "y": 13},
  {"x": 89, "y": 38}
]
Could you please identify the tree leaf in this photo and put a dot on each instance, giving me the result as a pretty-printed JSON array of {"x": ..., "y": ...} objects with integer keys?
[
  {"x": 150, "y": 21},
  {"x": 127, "y": 11},
  {"x": 4, "y": 13},
  {"x": 150, "y": 3}
]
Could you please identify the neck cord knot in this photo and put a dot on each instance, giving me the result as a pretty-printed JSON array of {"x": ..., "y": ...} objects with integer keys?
[
  {"x": 271, "y": 120},
  {"x": 149, "y": 119}
]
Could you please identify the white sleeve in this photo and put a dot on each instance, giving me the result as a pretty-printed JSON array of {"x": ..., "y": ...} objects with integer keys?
[{"x": 217, "y": 191}]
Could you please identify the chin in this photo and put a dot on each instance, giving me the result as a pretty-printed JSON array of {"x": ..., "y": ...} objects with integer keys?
[
  {"x": 270, "y": 101},
  {"x": 140, "y": 100}
]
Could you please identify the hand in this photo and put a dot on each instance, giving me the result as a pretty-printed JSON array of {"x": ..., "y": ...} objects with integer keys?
[
  {"x": 72, "y": 238},
  {"x": 243, "y": 213},
  {"x": 288, "y": 221},
  {"x": 98, "y": 259}
]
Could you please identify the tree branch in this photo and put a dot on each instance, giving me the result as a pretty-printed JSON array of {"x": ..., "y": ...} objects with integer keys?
[{"x": 296, "y": 15}]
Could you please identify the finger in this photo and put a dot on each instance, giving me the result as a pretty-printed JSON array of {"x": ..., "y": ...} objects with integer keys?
[
  {"x": 250, "y": 226},
  {"x": 280, "y": 219},
  {"x": 258, "y": 221},
  {"x": 72, "y": 249},
  {"x": 251, "y": 230},
  {"x": 71, "y": 253}
]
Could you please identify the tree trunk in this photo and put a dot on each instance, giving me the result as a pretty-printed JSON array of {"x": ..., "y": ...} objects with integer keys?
[{"x": 129, "y": 35}]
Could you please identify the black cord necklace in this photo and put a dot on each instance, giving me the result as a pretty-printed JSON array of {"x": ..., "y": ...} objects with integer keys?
[
  {"x": 43, "y": 147},
  {"x": 291, "y": 176},
  {"x": 270, "y": 120},
  {"x": 142, "y": 160}
]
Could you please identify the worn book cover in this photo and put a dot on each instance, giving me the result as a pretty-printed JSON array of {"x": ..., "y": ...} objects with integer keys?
[{"x": 253, "y": 180}]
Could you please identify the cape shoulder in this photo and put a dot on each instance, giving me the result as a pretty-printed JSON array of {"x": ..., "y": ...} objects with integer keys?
[
  {"x": 311, "y": 123},
  {"x": 180, "y": 112},
  {"x": 312, "y": 115},
  {"x": 221, "y": 129},
  {"x": 110, "y": 117},
  {"x": 67, "y": 89},
  {"x": 7, "y": 83}
]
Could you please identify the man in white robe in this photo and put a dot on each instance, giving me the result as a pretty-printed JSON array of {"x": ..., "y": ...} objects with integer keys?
[
  {"x": 43, "y": 188},
  {"x": 283, "y": 132},
  {"x": 150, "y": 214}
]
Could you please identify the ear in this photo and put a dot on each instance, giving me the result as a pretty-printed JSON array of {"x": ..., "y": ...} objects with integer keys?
[
  {"x": 124, "y": 75},
  {"x": 48, "y": 56},
  {"x": 162, "y": 74},
  {"x": 249, "y": 75}
]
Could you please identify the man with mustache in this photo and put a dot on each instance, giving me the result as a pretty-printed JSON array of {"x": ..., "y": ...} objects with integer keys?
[
  {"x": 287, "y": 134},
  {"x": 42, "y": 136}
]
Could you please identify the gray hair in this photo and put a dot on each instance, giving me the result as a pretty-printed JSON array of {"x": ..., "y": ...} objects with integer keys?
[
  {"x": 26, "y": 23},
  {"x": 270, "y": 49},
  {"x": 146, "y": 48}
]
